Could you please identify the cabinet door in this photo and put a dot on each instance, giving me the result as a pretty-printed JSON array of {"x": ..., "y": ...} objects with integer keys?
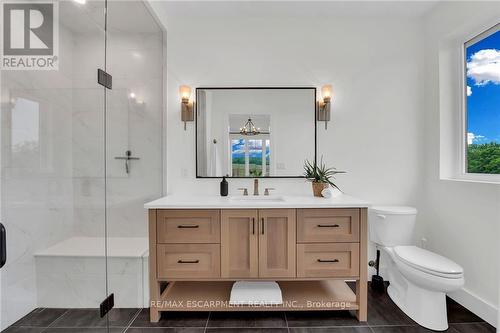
[
  {"x": 239, "y": 241},
  {"x": 277, "y": 243}
]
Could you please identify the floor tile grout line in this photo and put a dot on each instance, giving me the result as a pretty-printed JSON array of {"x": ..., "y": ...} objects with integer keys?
[
  {"x": 133, "y": 319},
  {"x": 208, "y": 319},
  {"x": 55, "y": 320},
  {"x": 143, "y": 327},
  {"x": 391, "y": 325},
  {"x": 255, "y": 327},
  {"x": 332, "y": 326},
  {"x": 469, "y": 322},
  {"x": 286, "y": 322}
]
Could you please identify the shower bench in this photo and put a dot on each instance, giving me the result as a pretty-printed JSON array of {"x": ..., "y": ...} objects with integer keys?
[{"x": 70, "y": 273}]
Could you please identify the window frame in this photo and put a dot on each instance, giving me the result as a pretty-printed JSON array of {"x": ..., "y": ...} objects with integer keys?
[
  {"x": 262, "y": 137},
  {"x": 463, "y": 149}
]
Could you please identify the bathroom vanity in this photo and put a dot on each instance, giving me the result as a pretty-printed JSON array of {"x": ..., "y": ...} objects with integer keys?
[{"x": 200, "y": 245}]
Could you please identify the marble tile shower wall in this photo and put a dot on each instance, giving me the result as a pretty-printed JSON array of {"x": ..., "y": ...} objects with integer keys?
[
  {"x": 37, "y": 186},
  {"x": 135, "y": 61},
  {"x": 52, "y": 186}
]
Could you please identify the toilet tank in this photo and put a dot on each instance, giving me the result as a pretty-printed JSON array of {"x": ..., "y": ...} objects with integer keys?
[{"x": 391, "y": 225}]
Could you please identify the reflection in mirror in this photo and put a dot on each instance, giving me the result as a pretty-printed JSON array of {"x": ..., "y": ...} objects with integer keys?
[{"x": 254, "y": 132}]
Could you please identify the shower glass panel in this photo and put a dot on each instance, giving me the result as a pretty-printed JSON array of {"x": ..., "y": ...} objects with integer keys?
[
  {"x": 134, "y": 145},
  {"x": 53, "y": 180}
]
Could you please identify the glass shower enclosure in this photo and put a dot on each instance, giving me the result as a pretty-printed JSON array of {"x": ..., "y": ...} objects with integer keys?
[{"x": 78, "y": 161}]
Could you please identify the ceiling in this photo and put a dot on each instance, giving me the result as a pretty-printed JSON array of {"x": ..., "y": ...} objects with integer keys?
[
  {"x": 174, "y": 10},
  {"x": 123, "y": 16}
]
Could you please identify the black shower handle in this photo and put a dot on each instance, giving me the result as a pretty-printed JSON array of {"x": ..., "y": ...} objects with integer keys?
[{"x": 3, "y": 245}]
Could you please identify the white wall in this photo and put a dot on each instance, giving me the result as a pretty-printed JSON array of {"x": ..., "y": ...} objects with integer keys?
[
  {"x": 374, "y": 66},
  {"x": 385, "y": 128},
  {"x": 459, "y": 219}
]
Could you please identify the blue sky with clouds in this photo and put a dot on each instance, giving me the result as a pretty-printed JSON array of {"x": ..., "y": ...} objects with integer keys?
[
  {"x": 255, "y": 148},
  {"x": 483, "y": 90}
]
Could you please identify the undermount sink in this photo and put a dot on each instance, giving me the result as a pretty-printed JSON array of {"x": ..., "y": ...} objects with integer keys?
[{"x": 254, "y": 198}]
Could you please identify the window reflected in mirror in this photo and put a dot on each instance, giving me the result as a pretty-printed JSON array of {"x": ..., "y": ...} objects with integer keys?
[{"x": 25, "y": 133}]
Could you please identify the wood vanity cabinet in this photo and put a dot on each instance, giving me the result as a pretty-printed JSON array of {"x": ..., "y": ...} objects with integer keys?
[
  {"x": 258, "y": 243},
  {"x": 277, "y": 243},
  {"x": 239, "y": 243},
  {"x": 197, "y": 254}
]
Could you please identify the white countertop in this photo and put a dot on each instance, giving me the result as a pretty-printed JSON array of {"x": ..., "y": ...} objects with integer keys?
[{"x": 218, "y": 202}]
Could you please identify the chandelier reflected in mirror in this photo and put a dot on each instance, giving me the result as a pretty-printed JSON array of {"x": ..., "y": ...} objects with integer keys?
[{"x": 249, "y": 128}]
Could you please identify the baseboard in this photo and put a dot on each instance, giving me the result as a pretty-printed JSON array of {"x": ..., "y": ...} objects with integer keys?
[{"x": 483, "y": 309}]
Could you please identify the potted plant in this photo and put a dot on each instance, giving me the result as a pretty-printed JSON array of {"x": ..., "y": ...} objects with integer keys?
[{"x": 320, "y": 176}]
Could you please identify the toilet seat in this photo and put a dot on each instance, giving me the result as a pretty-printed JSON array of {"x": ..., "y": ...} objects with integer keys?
[{"x": 428, "y": 262}]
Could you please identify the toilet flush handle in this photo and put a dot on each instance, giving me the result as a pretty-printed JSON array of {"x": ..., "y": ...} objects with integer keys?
[{"x": 381, "y": 216}]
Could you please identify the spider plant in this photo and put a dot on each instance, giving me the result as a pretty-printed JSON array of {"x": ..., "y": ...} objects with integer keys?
[{"x": 320, "y": 173}]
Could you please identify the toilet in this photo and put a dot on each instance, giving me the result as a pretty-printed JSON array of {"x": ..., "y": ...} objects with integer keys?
[{"x": 419, "y": 279}]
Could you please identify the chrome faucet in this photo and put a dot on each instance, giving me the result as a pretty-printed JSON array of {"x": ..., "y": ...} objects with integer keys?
[
  {"x": 255, "y": 186},
  {"x": 266, "y": 191},
  {"x": 245, "y": 190}
]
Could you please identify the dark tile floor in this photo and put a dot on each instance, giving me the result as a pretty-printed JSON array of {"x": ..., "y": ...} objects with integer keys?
[{"x": 383, "y": 317}]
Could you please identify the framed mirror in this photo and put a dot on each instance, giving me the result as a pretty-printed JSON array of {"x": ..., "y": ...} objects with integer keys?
[{"x": 255, "y": 132}]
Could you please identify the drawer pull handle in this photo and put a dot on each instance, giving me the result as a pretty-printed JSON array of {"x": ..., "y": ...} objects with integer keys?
[
  {"x": 253, "y": 225},
  {"x": 328, "y": 226},
  {"x": 188, "y": 226},
  {"x": 188, "y": 261},
  {"x": 262, "y": 220},
  {"x": 328, "y": 260}
]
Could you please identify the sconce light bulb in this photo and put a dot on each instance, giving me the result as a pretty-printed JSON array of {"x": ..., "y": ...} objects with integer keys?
[
  {"x": 185, "y": 92},
  {"x": 326, "y": 91},
  {"x": 132, "y": 95}
]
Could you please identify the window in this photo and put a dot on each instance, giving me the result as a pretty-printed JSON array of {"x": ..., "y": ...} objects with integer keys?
[
  {"x": 250, "y": 157},
  {"x": 25, "y": 133},
  {"x": 482, "y": 103}
]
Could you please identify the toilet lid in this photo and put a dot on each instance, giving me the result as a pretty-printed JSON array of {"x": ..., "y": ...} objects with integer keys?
[{"x": 427, "y": 261}]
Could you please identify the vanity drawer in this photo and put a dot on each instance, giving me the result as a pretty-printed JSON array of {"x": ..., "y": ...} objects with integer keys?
[
  {"x": 327, "y": 225},
  {"x": 328, "y": 260},
  {"x": 188, "y": 260},
  {"x": 188, "y": 226}
]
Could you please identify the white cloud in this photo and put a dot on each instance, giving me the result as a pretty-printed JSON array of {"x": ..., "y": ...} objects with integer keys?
[
  {"x": 475, "y": 138},
  {"x": 470, "y": 138},
  {"x": 469, "y": 91},
  {"x": 484, "y": 67}
]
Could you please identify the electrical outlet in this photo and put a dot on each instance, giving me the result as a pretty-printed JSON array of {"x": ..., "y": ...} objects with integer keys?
[{"x": 184, "y": 173}]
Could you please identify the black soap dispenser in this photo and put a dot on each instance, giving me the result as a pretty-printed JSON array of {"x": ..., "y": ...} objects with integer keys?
[{"x": 224, "y": 187}]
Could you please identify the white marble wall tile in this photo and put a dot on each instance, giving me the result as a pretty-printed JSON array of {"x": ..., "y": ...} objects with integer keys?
[
  {"x": 37, "y": 189},
  {"x": 57, "y": 192},
  {"x": 79, "y": 282}
]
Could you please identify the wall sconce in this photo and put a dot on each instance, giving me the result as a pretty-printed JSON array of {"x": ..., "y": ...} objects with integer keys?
[
  {"x": 324, "y": 105},
  {"x": 187, "y": 107}
]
